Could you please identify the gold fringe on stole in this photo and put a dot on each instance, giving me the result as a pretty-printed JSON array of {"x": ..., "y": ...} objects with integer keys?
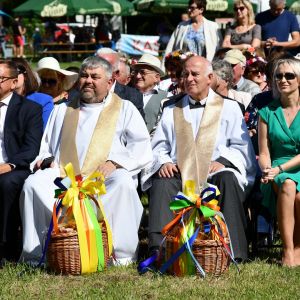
[{"x": 194, "y": 156}]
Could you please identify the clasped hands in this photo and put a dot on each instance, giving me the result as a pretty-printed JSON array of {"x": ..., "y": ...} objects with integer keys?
[
  {"x": 268, "y": 174},
  {"x": 168, "y": 170}
]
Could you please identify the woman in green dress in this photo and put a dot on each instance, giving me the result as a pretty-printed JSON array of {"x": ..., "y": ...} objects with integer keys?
[{"x": 279, "y": 155}]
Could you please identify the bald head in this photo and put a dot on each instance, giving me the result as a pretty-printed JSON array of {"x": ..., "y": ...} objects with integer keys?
[
  {"x": 111, "y": 56},
  {"x": 197, "y": 77}
]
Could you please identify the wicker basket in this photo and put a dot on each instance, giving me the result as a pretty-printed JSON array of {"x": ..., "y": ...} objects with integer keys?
[
  {"x": 63, "y": 252},
  {"x": 210, "y": 254}
]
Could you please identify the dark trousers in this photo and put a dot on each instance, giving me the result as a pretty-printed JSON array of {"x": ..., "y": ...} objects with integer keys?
[
  {"x": 11, "y": 184},
  {"x": 231, "y": 202}
]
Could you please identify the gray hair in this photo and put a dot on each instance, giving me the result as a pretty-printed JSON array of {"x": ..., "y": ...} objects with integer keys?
[
  {"x": 224, "y": 70},
  {"x": 209, "y": 69},
  {"x": 93, "y": 62},
  {"x": 295, "y": 66},
  {"x": 127, "y": 67},
  {"x": 106, "y": 50}
]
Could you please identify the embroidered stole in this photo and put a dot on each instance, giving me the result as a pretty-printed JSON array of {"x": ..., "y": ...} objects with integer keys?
[
  {"x": 194, "y": 156},
  {"x": 101, "y": 140}
]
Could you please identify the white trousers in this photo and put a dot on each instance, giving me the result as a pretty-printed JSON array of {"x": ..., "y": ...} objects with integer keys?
[{"x": 122, "y": 207}]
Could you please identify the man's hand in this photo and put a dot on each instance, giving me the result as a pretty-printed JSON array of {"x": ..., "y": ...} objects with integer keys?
[
  {"x": 215, "y": 166},
  {"x": 5, "y": 168},
  {"x": 167, "y": 170},
  {"x": 271, "y": 42},
  {"x": 107, "y": 168}
]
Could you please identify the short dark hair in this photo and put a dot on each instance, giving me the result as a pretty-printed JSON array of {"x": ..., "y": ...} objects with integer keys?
[
  {"x": 31, "y": 83},
  {"x": 199, "y": 3},
  {"x": 11, "y": 66}
]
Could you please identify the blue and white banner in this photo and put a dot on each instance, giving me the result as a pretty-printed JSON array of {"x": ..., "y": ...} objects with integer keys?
[{"x": 138, "y": 44}]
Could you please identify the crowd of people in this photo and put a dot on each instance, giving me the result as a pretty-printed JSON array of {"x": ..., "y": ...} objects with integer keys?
[{"x": 223, "y": 112}]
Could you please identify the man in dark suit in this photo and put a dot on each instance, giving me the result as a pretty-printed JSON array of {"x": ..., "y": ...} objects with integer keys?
[
  {"x": 123, "y": 91},
  {"x": 21, "y": 128}
]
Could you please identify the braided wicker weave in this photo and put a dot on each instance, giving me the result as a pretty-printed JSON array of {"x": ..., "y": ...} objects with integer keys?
[
  {"x": 210, "y": 254},
  {"x": 63, "y": 253}
]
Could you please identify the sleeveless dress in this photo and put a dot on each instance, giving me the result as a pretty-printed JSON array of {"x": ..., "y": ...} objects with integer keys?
[{"x": 284, "y": 145}]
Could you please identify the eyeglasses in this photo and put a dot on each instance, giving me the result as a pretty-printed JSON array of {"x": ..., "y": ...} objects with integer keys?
[
  {"x": 287, "y": 76},
  {"x": 143, "y": 72},
  {"x": 49, "y": 81},
  {"x": 241, "y": 8},
  {"x": 5, "y": 78},
  {"x": 192, "y": 8}
]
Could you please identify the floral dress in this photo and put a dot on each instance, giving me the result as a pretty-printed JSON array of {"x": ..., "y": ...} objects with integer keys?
[{"x": 196, "y": 40}]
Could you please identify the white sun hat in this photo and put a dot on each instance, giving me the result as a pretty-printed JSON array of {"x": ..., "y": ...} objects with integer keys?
[
  {"x": 150, "y": 61},
  {"x": 51, "y": 63}
]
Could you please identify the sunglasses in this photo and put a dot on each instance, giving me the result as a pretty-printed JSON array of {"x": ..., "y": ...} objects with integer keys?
[
  {"x": 49, "y": 81},
  {"x": 287, "y": 76},
  {"x": 255, "y": 72},
  {"x": 142, "y": 72},
  {"x": 241, "y": 8}
]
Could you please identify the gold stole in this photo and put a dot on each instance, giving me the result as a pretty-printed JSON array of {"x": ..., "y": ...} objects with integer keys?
[
  {"x": 194, "y": 156},
  {"x": 101, "y": 141}
]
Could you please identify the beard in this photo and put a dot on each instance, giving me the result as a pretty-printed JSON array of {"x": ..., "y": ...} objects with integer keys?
[{"x": 89, "y": 96}]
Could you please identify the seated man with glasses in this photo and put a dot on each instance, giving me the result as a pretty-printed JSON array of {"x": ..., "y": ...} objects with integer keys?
[
  {"x": 146, "y": 77},
  {"x": 21, "y": 129}
]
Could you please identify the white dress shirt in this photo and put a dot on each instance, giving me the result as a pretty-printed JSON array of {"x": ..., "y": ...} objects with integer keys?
[{"x": 3, "y": 110}]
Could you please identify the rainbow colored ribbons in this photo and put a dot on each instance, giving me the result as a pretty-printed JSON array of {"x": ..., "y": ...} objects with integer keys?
[
  {"x": 77, "y": 202},
  {"x": 204, "y": 219}
]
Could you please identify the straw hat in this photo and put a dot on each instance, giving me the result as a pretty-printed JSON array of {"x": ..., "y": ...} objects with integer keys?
[
  {"x": 51, "y": 63},
  {"x": 150, "y": 61}
]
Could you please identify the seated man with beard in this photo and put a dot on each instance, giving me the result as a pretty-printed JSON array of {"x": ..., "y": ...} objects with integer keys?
[{"x": 75, "y": 133}]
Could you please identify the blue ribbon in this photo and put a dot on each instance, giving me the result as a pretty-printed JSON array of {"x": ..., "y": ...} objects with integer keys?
[
  {"x": 176, "y": 255},
  {"x": 49, "y": 236},
  {"x": 147, "y": 264}
]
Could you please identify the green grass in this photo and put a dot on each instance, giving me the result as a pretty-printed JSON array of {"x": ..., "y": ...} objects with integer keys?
[{"x": 257, "y": 280}]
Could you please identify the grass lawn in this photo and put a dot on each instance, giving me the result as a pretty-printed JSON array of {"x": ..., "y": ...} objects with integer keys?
[{"x": 258, "y": 279}]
